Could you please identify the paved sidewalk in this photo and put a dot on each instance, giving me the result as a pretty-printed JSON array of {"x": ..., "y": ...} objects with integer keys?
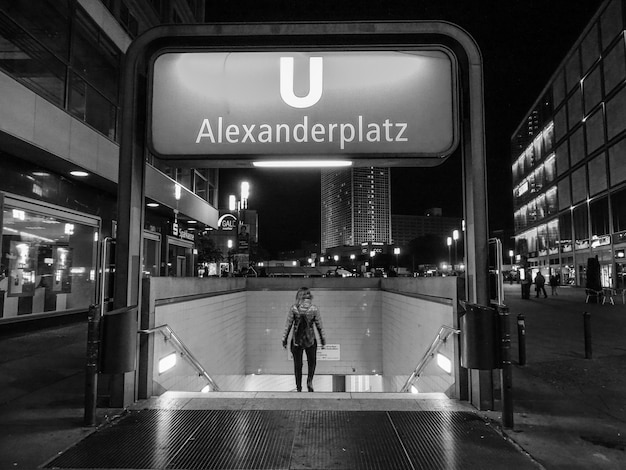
[{"x": 569, "y": 412}]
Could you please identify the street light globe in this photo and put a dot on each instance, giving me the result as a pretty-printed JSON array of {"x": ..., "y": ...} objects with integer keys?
[
  {"x": 455, "y": 234},
  {"x": 230, "y": 243},
  {"x": 449, "y": 241},
  {"x": 245, "y": 190},
  {"x": 336, "y": 258},
  {"x": 232, "y": 202},
  {"x": 396, "y": 251}
]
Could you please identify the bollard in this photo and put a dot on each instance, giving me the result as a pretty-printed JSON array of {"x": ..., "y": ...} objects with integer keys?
[
  {"x": 521, "y": 339},
  {"x": 506, "y": 372},
  {"x": 91, "y": 368},
  {"x": 587, "y": 332}
]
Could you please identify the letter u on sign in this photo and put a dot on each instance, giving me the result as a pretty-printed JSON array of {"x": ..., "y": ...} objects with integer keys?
[{"x": 316, "y": 72}]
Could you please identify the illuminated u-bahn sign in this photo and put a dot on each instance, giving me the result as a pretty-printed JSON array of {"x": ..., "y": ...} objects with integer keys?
[{"x": 352, "y": 104}]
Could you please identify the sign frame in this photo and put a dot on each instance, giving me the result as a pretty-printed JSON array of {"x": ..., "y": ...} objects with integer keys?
[
  {"x": 133, "y": 147},
  {"x": 425, "y": 159}
]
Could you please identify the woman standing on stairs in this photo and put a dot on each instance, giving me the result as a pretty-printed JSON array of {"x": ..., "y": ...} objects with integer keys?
[{"x": 303, "y": 315}]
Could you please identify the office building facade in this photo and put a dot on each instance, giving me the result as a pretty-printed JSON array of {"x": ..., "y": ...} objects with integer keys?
[
  {"x": 355, "y": 207},
  {"x": 408, "y": 227},
  {"x": 59, "y": 153},
  {"x": 569, "y": 160}
]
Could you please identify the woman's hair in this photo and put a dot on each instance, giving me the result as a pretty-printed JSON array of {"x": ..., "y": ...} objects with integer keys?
[{"x": 302, "y": 293}]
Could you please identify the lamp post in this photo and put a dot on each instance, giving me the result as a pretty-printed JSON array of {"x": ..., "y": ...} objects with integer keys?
[
  {"x": 230, "y": 256},
  {"x": 511, "y": 253},
  {"x": 449, "y": 242},
  {"x": 455, "y": 237},
  {"x": 396, "y": 251},
  {"x": 240, "y": 206}
]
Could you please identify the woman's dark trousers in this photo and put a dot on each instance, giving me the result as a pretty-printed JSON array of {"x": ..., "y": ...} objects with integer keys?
[{"x": 311, "y": 358}]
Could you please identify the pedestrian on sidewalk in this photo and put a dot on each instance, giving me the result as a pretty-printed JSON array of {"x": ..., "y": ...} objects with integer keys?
[
  {"x": 303, "y": 316},
  {"x": 554, "y": 284},
  {"x": 540, "y": 285}
]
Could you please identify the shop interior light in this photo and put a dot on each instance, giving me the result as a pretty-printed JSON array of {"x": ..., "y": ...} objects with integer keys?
[
  {"x": 302, "y": 164},
  {"x": 444, "y": 363},
  {"x": 167, "y": 362}
]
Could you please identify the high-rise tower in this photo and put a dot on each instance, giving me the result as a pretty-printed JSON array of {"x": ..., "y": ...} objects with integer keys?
[{"x": 356, "y": 206}]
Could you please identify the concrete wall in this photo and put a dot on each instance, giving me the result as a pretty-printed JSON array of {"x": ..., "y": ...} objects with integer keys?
[
  {"x": 234, "y": 327},
  {"x": 351, "y": 319},
  {"x": 209, "y": 316},
  {"x": 409, "y": 326}
]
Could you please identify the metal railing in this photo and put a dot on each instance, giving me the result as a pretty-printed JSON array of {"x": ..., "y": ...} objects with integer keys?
[
  {"x": 184, "y": 351},
  {"x": 444, "y": 333}
]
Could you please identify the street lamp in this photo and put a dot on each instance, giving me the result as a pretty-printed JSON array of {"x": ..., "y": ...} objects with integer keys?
[
  {"x": 230, "y": 256},
  {"x": 449, "y": 242},
  {"x": 245, "y": 193},
  {"x": 455, "y": 236},
  {"x": 240, "y": 206},
  {"x": 511, "y": 253},
  {"x": 396, "y": 251}
]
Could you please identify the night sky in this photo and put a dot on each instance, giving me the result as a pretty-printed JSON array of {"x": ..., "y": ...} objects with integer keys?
[{"x": 522, "y": 43}]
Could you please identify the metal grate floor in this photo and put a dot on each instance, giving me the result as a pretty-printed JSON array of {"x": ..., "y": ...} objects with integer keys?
[{"x": 296, "y": 439}]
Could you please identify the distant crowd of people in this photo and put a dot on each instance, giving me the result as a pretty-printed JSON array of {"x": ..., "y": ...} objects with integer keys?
[{"x": 540, "y": 285}]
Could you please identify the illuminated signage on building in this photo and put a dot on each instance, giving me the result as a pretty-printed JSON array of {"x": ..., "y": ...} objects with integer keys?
[
  {"x": 227, "y": 222},
  {"x": 352, "y": 103},
  {"x": 182, "y": 234}
]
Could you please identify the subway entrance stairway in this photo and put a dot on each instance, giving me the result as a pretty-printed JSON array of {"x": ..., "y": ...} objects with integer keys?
[{"x": 287, "y": 430}]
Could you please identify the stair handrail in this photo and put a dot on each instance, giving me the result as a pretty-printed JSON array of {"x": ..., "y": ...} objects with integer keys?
[
  {"x": 442, "y": 336},
  {"x": 169, "y": 335}
]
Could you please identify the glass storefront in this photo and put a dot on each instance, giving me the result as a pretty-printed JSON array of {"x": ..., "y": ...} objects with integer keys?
[
  {"x": 180, "y": 257},
  {"x": 59, "y": 52},
  {"x": 151, "y": 254},
  {"x": 48, "y": 258}
]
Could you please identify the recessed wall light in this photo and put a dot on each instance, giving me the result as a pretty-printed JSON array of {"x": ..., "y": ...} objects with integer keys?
[
  {"x": 79, "y": 173},
  {"x": 153, "y": 204},
  {"x": 167, "y": 362}
]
